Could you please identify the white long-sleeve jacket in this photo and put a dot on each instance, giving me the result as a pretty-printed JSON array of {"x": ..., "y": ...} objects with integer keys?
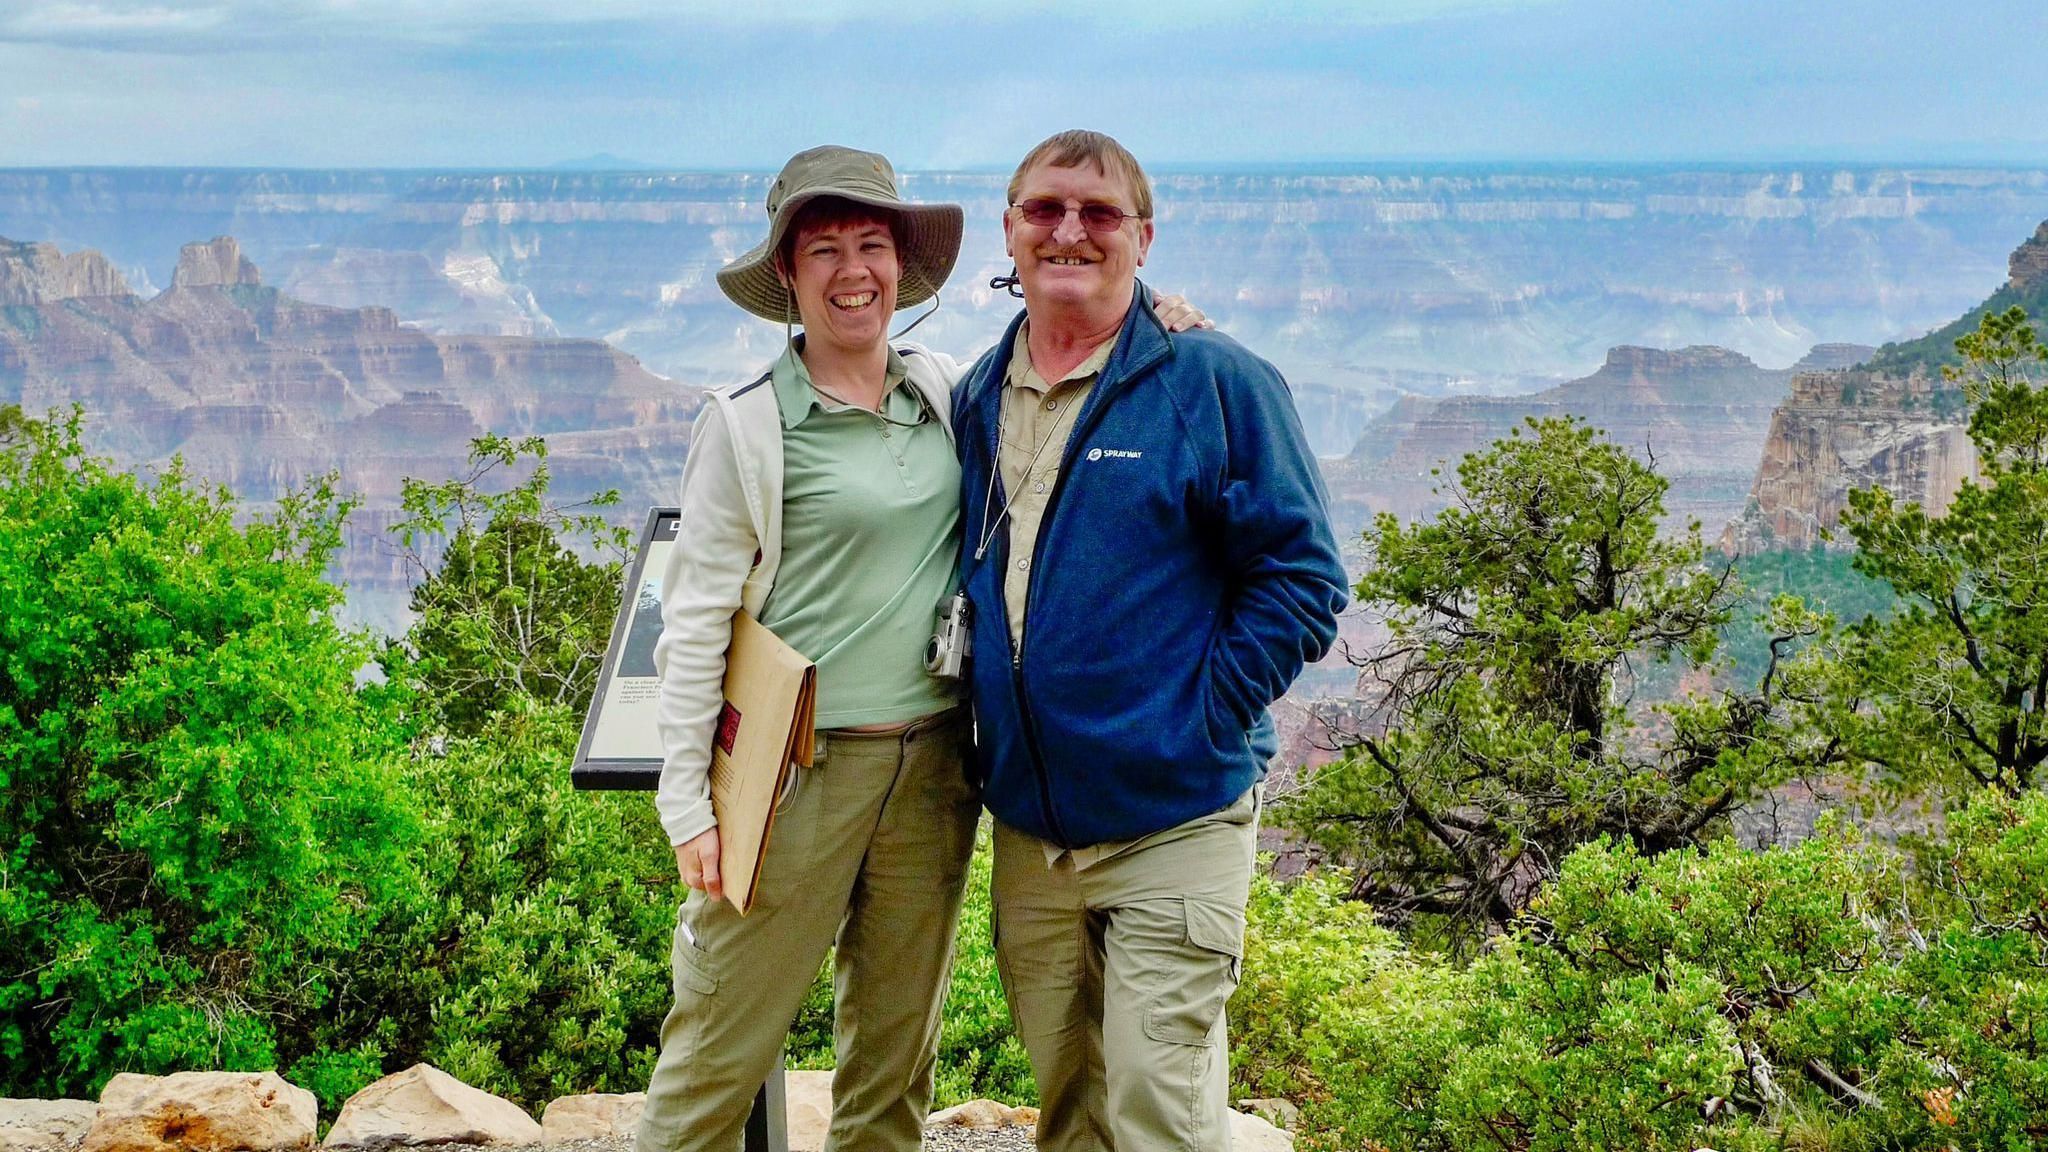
[{"x": 727, "y": 551}]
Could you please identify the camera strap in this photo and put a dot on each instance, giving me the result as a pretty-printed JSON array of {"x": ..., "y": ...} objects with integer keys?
[{"x": 995, "y": 469}]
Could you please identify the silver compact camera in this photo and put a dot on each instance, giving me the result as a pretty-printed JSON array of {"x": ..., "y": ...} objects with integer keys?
[{"x": 952, "y": 642}]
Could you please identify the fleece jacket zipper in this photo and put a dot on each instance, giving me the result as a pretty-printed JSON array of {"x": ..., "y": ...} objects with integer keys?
[{"x": 1091, "y": 415}]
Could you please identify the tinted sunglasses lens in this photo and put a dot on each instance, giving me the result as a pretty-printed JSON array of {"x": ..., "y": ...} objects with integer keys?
[
  {"x": 1043, "y": 213},
  {"x": 1101, "y": 217}
]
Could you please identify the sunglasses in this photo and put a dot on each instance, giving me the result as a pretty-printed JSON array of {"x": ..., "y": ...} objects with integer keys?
[{"x": 1094, "y": 217}]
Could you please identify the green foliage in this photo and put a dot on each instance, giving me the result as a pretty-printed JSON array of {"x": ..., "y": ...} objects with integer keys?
[
  {"x": 182, "y": 744},
  {"x": 1515, "y": 618},
  {"x": 1938, "y": 350},
  {"x": 542, "y": 969},
  {"x": 1824, "y": 579},
  {"x": 1835, "y": 994},
  {"x": 1948, "y": 692},
  {"x": 511, "y": 610}
]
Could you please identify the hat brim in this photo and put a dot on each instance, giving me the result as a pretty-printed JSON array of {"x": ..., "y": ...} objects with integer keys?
[{"x": 930, "y": 246}]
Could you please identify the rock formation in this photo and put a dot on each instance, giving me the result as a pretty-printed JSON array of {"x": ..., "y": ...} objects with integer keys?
[
  {"x": 44, "y": 1125},
  {"x": 218, "y": 263},
  {"x": 2028, "y": 268},
  {"x": 1700, "y": 412},
  {"x": 1890, "y": 422},
  {"x": 1852, "y": 429},
  {"x": 32, "y": 274},
  {"x": 263, "y": 393}
]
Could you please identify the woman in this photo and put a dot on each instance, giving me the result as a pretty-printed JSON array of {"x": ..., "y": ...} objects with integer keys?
[{"x": 823, "y": 498}]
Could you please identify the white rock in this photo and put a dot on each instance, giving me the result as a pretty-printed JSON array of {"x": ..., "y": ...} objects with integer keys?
[
  {"x": 1273, "y": 1110},
  {"x": 807, "y": 1107},
  {"x": 597, "y": 1116},
  {"x": 1252, "y": 1134},
  {"x": 202, "y": 1112},
  {"x": 44, "y": 1125},
  {"x": 983, "y": 1114},
  {"x": 424, "y": 1105}
]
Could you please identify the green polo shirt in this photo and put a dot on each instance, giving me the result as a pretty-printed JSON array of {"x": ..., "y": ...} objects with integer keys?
[{"x": 870, "y": 546}]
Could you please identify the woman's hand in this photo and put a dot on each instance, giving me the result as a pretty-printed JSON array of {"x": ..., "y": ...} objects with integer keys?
[
  {"x": 697, "y": 862},
  {"x": 1178, "y": 315}
]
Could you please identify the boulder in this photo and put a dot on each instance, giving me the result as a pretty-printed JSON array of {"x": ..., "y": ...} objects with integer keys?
[
  {"x": 1275, "y": 1111},
  {"x": 44, "y": 1125},
  {"x": 807, "y": 1107},
  {"x": 983, "y": 1114},
  {"x": 424, "y": 1105},
  {"x": 202, "y": 1112},
  {"x": 598, "y": 1116},
  {"x": 1253, "y": 1134}
]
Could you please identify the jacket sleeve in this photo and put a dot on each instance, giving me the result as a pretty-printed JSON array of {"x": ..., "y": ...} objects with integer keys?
[
  {"x": 1274, "y": 527},
  {"x": 701, "y": 588}
]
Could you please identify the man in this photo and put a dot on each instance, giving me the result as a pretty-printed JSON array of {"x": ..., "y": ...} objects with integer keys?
[{"x": 1149, "y": 562}]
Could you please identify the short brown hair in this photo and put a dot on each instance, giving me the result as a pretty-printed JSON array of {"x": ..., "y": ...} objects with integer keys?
[
  {"x": 834, "y": 212},
  {"x": 1078, "y": 146}
]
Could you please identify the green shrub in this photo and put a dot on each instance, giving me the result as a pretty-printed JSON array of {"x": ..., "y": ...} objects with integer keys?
[
  {"x": 1835, "y": 994},
  {"x": 541, "y": 967},
  {"x": 201, "y": 820}
]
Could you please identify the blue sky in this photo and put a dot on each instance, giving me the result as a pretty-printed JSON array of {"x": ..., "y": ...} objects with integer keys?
[{"x": 968, "y": 83}]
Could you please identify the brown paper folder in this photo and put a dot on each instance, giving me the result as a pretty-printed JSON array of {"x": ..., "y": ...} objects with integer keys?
[{"x": 771, "y": 698}]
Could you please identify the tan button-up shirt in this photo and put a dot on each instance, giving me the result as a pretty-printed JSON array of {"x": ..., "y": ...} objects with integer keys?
[{"x": 1037, "y": 420}]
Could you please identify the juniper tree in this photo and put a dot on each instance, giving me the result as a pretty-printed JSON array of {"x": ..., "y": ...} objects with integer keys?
[
  {"x": 1501, "y": 733},
  {"x": 1949, "y": 690}
]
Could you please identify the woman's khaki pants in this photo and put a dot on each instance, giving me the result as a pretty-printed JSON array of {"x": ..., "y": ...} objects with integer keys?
[{"x": 870, "y": 855}]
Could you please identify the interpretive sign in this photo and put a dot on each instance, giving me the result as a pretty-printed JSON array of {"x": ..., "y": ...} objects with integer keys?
[{"x": 621, "y": 745}]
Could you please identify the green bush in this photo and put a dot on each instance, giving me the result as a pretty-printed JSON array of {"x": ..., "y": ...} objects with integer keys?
[
  {"x": 201, "y": 819},
  {"x": 1837, "y": 994},
  {"x": 541, "y": 966}
]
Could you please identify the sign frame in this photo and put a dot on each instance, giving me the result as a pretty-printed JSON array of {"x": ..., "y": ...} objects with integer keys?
[{"x": 605, "y": 769}]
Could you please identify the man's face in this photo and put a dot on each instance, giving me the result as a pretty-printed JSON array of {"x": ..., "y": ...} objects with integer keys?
[
  {"x": 1065, "y": 265},
  {"x": 844, "y": 279}
]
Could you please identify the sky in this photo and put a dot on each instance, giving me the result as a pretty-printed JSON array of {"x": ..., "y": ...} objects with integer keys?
[{"x": 943, "y": 84}]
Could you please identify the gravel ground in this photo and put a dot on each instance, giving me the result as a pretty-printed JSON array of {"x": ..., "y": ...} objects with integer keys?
[{"x": 935, "y": 1140}]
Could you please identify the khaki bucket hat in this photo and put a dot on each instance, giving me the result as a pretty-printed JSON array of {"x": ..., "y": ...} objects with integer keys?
[{"x": 931, "y": 232}]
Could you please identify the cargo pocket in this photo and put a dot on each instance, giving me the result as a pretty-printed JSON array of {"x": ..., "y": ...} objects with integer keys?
[
  {"x": 692, "y": 965},
  {"x": 1188, "y": 999}
]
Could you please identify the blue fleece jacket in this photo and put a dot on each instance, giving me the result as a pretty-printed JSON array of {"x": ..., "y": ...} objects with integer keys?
[{"x": 1184, "y": 573}]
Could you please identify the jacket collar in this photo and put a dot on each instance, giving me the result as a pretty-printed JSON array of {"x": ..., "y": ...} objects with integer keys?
[{"x": 1142, "y": 342}]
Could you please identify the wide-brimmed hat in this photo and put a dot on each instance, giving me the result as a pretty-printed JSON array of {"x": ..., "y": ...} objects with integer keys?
[{"x": 930, "y": 232}]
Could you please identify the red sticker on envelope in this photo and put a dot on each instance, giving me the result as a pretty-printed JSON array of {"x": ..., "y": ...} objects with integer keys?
[{"x": 728, "y": 727}]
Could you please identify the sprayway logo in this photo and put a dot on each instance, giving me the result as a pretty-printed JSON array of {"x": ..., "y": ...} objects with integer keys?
[{"x": 1114, "y": 454}]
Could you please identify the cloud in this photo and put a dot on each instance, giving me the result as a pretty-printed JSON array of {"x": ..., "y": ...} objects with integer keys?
[{"x": 205, "y": 26}]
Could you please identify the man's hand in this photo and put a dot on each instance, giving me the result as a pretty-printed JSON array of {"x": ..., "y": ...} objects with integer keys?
[
  {"x": 697, "y": 861},
  {"x": 1178, "y": 315}
]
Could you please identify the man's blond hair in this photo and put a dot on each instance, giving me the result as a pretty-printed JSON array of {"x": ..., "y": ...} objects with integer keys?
[{"x": 1078, "y": 146}]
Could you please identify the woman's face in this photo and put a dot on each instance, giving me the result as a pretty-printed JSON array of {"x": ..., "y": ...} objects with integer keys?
[{"x": 844, "y": 277}]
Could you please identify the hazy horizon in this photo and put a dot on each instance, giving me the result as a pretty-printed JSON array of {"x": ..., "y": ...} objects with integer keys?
[{"x": 967, "y": 85}]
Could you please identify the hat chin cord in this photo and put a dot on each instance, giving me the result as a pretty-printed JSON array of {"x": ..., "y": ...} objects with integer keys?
[
  {"x": 903, "y": 331},
  {"x": 789, "y": 321}
]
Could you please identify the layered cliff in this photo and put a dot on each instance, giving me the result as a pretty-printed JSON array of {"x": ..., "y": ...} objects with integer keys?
[
  {"x": 33, "y": 274},
  {"x": 1852, "y": 429},
  {"x": 263, "y": 392},
  {"x": 1701, "y": 413},
  {"x": 1892, "y": 422}
]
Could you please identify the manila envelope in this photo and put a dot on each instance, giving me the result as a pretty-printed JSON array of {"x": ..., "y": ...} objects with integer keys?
[{"x": 764, "y": 726}]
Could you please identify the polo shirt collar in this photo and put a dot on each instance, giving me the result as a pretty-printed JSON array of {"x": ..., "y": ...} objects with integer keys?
[{"x": 795, "y": 396}]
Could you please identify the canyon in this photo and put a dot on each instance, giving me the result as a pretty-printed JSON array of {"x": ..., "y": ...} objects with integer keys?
[{"x": 263, "y": 393}]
